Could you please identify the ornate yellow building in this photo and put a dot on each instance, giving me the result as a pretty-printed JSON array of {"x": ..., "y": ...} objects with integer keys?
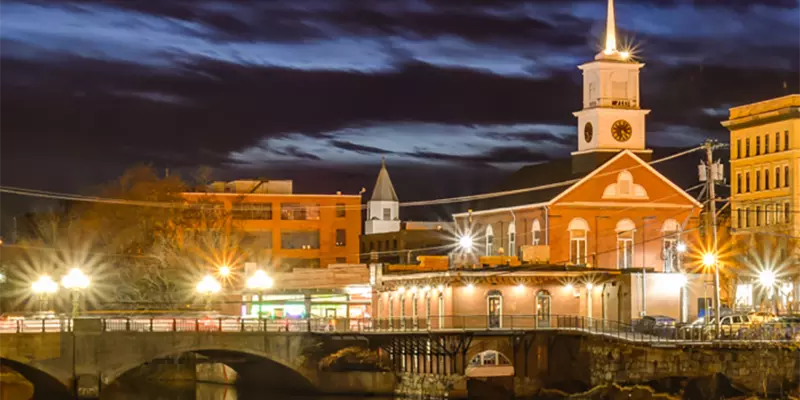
[{"x": 765, "y": 156}]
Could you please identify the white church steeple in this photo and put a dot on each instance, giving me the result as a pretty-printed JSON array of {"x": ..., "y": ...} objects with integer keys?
[
  {"x": 611, "y": 119},
  {"x": 383, "y": 208}
]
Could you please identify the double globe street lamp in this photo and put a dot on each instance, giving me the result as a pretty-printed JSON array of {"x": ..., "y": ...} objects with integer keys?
[
  {"x": 75, "y": 281},
  {"x": 44, "y": 287},
  {"x": 208, "y": 286}
]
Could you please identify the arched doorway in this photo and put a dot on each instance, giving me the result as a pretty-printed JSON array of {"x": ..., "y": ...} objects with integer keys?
[
  {"x": 489, "y": 363},
  {"x": 543, "y": 307},
  {"x": 494, "y": 309}
]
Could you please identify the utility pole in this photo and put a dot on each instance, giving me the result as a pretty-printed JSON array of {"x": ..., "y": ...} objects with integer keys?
[{"x": 712, "y": 210}]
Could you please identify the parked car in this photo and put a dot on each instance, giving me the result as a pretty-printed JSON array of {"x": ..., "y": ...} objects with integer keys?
[
  {"x": 732, "y": 326},
  {"x": 658, "y": 325},
  {"x": 761, "y": 317}
]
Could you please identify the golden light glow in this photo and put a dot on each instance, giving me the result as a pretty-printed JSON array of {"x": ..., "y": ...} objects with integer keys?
[
  {"x": 75, "y": 279},
  {"x": 611, "y": 29},
  {"x": 440, "y": 288},
  {"x": 208, "y": 285},
  {"x": 224, "y": 271},
  {"x": 259, "y": 281},
  {"x": 44, "y": 285},
  {"x": 767, "y": 278},
  {"x": 709, "y": 259}
]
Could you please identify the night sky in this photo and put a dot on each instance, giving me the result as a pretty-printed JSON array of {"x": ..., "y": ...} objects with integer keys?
[{"x": 454, "y": 93}]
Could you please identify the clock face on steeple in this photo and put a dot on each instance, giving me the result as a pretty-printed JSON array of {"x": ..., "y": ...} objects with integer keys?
[
  {"x": 588, "y": 131},
  {"x": 621, "y": 130}
]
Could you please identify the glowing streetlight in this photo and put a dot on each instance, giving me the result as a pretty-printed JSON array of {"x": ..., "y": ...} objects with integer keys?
[
  {"x": 709, "y": 259},
  {"x": 259, "y": 282},
  {"x": 44, "y": 287},
  {"x": 76, "y": 281},
  {"x": 440, "y": 288},
  {"x": 427, "y": 288},
  {"x": 224, "y": 271},
  {"x": 589, "y": 286},
  {"x": 401, "y": 289},
  {"x": 208, "y": 286},
  {"x": 767, "y": 278},
  {"x": 465, "y": 242},
  {"x": 681, "y": 247}
]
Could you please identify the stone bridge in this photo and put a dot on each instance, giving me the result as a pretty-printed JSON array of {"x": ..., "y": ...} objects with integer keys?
[{"x": 52, "y": 361}]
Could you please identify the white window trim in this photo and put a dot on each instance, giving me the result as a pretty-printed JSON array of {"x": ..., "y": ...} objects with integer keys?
[
  {"x": 500, "y": 316},
  {"x": 512, "y": 239}
]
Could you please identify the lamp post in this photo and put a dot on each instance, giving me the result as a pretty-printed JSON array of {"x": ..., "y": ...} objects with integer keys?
[
  {"x": 208, "y": 286},
  {"x": 44, "y": 287},
  {"x": 259, "y": 282},
  {"x": 710, "y": 260},
  {"x": 75, "y": 281},
  {"x": 767, "y": 280},
  {"x": 680, "y": 248}
]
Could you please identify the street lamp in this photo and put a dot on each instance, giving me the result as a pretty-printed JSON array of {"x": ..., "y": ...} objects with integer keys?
[
  {"x": 260, "y": 282},
  {"x": 75, "y": 281},
  {"x": 224, "y": 271},
  {"x": 44, "y": 287},
  {"x": 208, "y": 286},
  {"x": 681, "y": 247},
  {"x": 465, "y": 243},
  {"x": 710, "y": 260},
  {"x": 766, "y": 278}
]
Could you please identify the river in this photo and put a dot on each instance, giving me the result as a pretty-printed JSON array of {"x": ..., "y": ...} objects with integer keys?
[{"x": 204, "y": 391}]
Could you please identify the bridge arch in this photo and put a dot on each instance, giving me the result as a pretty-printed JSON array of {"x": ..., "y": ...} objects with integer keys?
[
  {"x": 46, "y": 385},
  {"x": 489, "y": 363},
  {"x": 280, "y": 375}
]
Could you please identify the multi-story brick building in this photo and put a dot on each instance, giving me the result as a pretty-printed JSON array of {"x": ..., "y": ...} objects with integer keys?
[
  {"x": 765, "y": 198},
  {"x": 287, "y": 230}
]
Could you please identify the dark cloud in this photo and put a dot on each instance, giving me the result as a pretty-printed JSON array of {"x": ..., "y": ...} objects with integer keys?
[
  {"x": 495, "y": 155},
  {"x": 533, "y": 137},
  {"x": 350, "y": 146}
]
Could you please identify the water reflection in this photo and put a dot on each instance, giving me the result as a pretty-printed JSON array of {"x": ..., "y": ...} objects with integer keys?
[{"x": 186, "y": 390}]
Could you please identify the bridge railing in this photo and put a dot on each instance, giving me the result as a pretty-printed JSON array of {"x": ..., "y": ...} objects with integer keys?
[{"x": 446, "y": 323}]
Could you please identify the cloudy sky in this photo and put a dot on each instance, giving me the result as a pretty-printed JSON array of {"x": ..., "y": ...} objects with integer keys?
[{"x": 455, "y": 92}]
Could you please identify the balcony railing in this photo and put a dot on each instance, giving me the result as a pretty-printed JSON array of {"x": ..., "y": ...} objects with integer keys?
[{"x": 614, "y": 102}]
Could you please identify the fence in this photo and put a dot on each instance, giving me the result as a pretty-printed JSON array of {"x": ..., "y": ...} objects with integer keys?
[{"x": 772, "y": 332}]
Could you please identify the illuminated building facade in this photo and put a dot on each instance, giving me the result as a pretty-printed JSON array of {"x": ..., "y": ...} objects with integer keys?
[
  {"x": 283, "y": 230},
  {"x": 765, "y": 196}
]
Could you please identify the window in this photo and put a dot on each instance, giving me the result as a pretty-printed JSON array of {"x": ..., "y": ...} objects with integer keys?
[
  {"x": 428, "y": 309},
  {"x": 759, "y": 217},
  {"x": 414, "y": 312},
  {"x": 489, "y": 240},
  {"x": 747, "y": 182},
  {"x": 744, "y": 295},
  {"x": 758, "y": 145},
  {"x": 578, "y": 230},
  {"x": 341, "y": 237},
  {"x": 778, "y": 214},
  {"x": 440, "y": 309},
  {"x": 341, "y": 260},
  {"x": 536, "y": 233},
  {"x": 391, "y": 311},
  {"x": 777, "y": 177},
  {"x": 394, "y": 244},
  {"x": 758, "y": 180},
  {"x": 786, "y": 140},
  {"x": 257, "y": 241},
  {"x": 303, "y": 240},
  {"x": 746, "y": 217},
  {"x": 766, "y": 179},
  {"x": 402, "y": 311},
  {"x": 512, "y": 240},
  {"x": 738, "y": 183},
  {"x": 625, "y": 230},
  {"x": 766, "y": 144},
  {"x": 786, "y": 176},
  {"x": 738, "y": 148},
  {"x": 299, "y": 211},
  {"x": 670, "y": 231},
  {"x": 740, "y": 218},
  {"x": 777, "y": 141},
  {"x": 768, "y": 214},
  {"x": 787, "y": 214},
  {"x": 387, "y": 214},
  {"x": 494, "y": 308},
  {"x": 747, "y": 147},
  {"x": 341, "y": 211},
  {"x": 247, "y": 211}
]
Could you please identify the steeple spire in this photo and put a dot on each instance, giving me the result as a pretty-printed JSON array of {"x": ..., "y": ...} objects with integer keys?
[
  {"x": 611, "y": 30},
  {"x": 384, "y": 190}
]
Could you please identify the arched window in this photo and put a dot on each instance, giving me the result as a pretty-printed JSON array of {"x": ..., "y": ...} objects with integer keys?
[
  {"x": 489, "y": 357},
  {"x": 625, "y": 230},
  {"x": 512, "y": 239},
  {"x": 489, "y": 240},
  {"x": 414, "y": 311},
  {"x": 670, "y": 231},
  {"x": 536, "y": 233},
  {"x": 578, "y": 233},
  {"x": 494, "y": 308}
]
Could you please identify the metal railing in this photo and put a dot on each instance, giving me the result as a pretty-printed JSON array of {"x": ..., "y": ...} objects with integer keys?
[
  {"x": 637, "y": 332},
  {"x": 613, "y": 102}
]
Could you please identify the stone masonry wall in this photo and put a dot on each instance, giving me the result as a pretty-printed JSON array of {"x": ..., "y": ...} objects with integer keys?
[{"x": 754, "y": 369}]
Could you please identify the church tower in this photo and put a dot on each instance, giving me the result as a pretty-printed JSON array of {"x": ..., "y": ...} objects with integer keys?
[
  {"x": 383, "y": 209},
  {"x": 611, "y": 119}
]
